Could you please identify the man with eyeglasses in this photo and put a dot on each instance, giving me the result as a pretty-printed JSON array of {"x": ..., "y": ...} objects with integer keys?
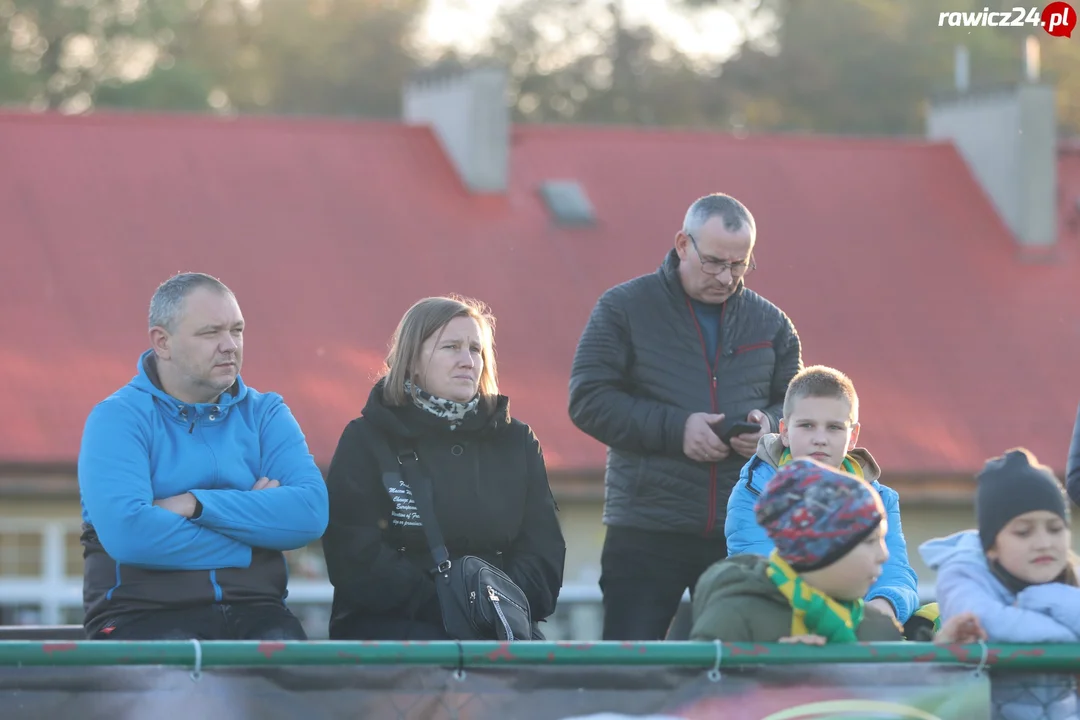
[{"x": 665, "y": 367}]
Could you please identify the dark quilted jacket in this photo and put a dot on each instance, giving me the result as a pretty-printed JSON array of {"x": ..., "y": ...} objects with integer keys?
[{"x": 641, "y": 370}]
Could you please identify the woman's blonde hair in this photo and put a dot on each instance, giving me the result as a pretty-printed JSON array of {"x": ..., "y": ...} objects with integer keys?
[{"x": 424, "y": 319}]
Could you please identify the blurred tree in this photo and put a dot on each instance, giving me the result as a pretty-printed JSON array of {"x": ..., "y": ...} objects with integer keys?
[
  {"x": 871, "y": 66},
  {"x": 1061, "y": 62},
  {"x": 580, "y": 61},
  {"x": 180, "y": 88},
  {"x": 322, "y": 57},
  {"x": 842, "y": 66},
  {"x": 55, "y": 54},
  {"x": 15, "y": 85}
]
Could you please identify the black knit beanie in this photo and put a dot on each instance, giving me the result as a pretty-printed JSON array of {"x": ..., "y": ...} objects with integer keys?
[{"x": 1011, "y": 485}]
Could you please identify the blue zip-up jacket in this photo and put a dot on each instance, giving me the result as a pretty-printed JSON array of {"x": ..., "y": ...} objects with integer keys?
[
  {"x": 1046, "y": 613},
  {"x": 140, "y": 445},
  {"x": 898, "y": 582}
]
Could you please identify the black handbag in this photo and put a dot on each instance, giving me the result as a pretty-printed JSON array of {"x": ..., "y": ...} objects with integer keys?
[{"x": 478, "y": 600}]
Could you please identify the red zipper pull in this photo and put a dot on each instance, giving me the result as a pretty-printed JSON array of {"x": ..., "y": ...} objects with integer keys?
[{"x": 713, "y": 382}]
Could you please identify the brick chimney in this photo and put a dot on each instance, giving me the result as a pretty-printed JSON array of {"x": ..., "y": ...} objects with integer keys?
[{"x": 468, "y": 112}]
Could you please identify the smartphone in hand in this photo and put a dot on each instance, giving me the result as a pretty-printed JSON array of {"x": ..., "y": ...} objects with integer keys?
[{"x": 726, "y": 430}]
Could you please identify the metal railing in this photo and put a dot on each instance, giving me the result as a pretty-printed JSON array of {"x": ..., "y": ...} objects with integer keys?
[{"x": 1040, "y": 658}]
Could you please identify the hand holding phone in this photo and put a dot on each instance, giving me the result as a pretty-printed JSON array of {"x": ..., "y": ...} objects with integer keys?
[{"x": 725, "y": 430}]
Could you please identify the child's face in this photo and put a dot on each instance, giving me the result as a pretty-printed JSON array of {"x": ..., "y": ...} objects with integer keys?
[
  {"x": 821, "y": 428},
  {"x": 850, "y": 577},
  {"x": 1034, "y": 546}
]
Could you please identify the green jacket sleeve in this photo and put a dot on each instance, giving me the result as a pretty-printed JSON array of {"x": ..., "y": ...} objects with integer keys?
[{"x": 720, "y": 623}]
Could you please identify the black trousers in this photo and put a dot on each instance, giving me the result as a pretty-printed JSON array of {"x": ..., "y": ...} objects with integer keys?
[
  {"x": 643, "y": 575},
  {"x": 246, "y": 621}
]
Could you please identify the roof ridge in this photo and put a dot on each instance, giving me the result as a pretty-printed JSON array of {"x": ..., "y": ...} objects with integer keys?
[{"x": 206, "y": 120}]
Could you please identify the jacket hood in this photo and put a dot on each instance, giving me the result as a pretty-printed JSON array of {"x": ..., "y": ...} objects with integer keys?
[
  {"x": 148, "y": 381},
  {"x": 771, "y": 447},
  {"x": 963, "y": 546},
  {"x": 741, "y": 576},
  {"x": 492, "y": 412}
]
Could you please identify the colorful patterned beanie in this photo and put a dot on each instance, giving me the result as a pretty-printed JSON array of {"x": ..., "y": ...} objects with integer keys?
[{"x": 816, "y": 514}]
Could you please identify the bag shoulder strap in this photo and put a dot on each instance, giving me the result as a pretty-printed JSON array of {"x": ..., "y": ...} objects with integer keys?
[{"x": 405, "y": 464}]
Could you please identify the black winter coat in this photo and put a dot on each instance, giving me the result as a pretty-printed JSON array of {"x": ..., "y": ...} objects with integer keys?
[
  {"x": 641, "y": 369},
  {"x": 492, "y": 500}
]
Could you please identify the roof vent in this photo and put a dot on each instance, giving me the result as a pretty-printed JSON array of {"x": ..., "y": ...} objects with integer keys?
[{"x": 567, "y": 202}]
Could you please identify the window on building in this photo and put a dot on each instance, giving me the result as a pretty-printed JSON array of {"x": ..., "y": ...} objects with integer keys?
[
  {"x": 40, "y": 571},
  {"x": 20, "y": 554}
]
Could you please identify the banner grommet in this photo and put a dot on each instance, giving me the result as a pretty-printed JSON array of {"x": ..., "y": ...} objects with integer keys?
[
  {"x": 196, "y": 674},
  {"x": 982, "y": 660},
  {"x": 714, "y": 673}
]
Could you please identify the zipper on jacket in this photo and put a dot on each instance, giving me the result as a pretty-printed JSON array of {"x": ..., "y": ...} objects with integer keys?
[
  {"x": 750, "y": 468},
  {"x": 713, "y": 368}
]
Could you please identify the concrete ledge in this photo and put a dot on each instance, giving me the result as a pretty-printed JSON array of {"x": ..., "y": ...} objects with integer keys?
[{"x": 32, "y": 633}]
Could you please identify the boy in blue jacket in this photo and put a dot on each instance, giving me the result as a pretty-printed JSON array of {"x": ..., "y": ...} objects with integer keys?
[{"x": 821, "y": 421}]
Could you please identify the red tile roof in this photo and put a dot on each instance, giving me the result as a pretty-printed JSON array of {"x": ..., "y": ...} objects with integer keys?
[{"x": 886, "y": 254}]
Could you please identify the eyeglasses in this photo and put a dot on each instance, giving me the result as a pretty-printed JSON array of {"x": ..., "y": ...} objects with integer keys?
[{"x": 715, "y": 267}]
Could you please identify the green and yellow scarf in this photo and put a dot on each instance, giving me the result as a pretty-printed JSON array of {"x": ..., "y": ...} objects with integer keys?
[
  {"x": 849, "y": 465},
  {"x": 812, "y": 611},
  {"x": 932, "y": 613}
]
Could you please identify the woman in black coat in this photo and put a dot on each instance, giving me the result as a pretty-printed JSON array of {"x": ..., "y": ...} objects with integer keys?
[{"x": 439, "y": 398}]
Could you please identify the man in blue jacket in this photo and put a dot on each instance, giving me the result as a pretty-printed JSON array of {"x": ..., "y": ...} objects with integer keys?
[
  {"x": 821, "y": 421},
  {"x": 192, "y": 485}
]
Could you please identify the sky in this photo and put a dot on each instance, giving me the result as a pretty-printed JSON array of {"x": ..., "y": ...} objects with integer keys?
[{"x": 712, "y": 34}]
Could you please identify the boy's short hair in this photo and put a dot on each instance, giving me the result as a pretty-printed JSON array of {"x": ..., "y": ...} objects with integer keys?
[{"x": 822, "y": 382}]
